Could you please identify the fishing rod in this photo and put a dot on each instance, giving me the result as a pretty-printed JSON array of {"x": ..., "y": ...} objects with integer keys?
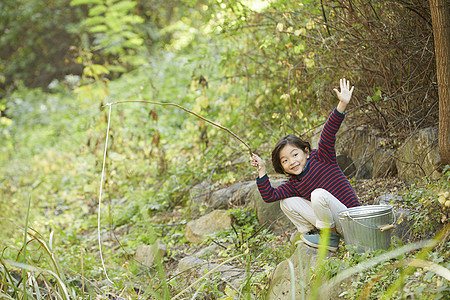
[{"x": 188, "y": 111}]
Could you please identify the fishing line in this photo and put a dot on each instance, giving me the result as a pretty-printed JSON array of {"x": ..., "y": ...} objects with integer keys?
[
  {"x": 100, "y": 196},
  {"x": 106, "y": 149}
]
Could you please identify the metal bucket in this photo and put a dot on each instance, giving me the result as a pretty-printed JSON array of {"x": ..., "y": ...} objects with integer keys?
[{"x": 368, "y": 227}]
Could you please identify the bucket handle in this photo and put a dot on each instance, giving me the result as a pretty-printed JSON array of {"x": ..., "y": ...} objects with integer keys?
[{"x": 381, "y": 228}]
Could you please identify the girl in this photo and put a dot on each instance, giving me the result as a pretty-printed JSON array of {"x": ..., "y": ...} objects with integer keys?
[{"x": 317, "y": 189}]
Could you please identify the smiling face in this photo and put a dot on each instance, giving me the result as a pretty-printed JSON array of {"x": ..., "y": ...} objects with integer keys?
[
  {"x": 292, "y": 141},
  {"x": 293, "y": 159}
]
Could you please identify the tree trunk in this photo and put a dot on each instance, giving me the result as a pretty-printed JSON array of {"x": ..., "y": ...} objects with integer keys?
[{"x": 441, "y": 31}]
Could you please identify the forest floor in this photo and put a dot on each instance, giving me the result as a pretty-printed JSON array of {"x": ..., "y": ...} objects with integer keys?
[{"x": 367, "y": 191}]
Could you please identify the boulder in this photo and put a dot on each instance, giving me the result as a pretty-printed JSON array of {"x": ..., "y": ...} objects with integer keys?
[
  {"x": 207, "y": 251},
  {"x": 370, "y": 154},
  {"x": 384, "y": 162},
  {"x": 346, "y": 164},
  {"x": 315, "y": 137},
  {"x": 419, "y": 156},
  {"x": 280, "y": 284},
  {"x": 197, "y": 230},
  {"x": 200, "y": 193},
  {"x": 146, "y": 254},
  {"x": 234, "y": 195},
  {"x": 190, "y": 262},
  {"x": 228, "y": 273},
  {"x": 270, "y": 213},
  {"x": 300, "y": 263},
  {"x": 360, "y": 145}
]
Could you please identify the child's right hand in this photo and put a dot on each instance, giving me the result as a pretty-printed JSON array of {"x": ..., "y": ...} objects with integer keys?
[{"x": 258, "y": 164}]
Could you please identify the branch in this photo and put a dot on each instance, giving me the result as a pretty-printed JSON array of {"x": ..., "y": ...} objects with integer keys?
[{"x": 188, "y": 111}]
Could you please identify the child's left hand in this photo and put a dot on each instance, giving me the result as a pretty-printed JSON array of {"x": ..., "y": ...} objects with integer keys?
[{"x": 344, "y": 95}]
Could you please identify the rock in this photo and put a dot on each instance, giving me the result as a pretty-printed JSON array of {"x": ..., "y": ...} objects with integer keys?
[
  {"x": 346, "y": 164},
  {"x": 387, "y": 199},
  {"x": 315, "y": 137},
  {"x": 234, "y": 195},
  {"x": 228, "y": 273},
  {"x": 384, "y": 163},
  {"x": 403, "y": 226},
  {"x": 356, "y": 146},
  {"x": 220, "y": 198},
  {"x": 302, "y": 260},
  {"x": 207, "y": 251},
  {"x": 295, "y": 236},
  {"x": 270, "y": 213},
  {"x": 197, "y": 230},
  {"x": 360, "y": 145},
  {"x": 200, "y": 193},
  {"x": 189, "y": 262},
  {"x": 416, "y": 158},
  {"x": 146, "y": 254},
  {"x": 419, "y": 156}
]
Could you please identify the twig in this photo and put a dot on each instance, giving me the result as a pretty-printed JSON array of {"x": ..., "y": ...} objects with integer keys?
[
  {"x": 168, "y": 225},
  {"x": 325, "y": 18},
  {"x": 192, "y": 113},
  {"x": 218, "y": 244}
]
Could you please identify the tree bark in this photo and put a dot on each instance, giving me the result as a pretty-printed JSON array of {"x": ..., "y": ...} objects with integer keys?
[{"x": 441, "y": 31}]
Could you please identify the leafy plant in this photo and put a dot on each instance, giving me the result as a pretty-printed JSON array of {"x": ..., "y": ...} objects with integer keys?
[
  {"x": 428, "y": 204},
  {"x": 39, "y": 268},
  {"x": 35, "y": 57},
  {"x": 112, "y": 23}
]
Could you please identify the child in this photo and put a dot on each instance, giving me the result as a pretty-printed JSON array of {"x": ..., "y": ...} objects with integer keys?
[{"x": 317, "y": 189}]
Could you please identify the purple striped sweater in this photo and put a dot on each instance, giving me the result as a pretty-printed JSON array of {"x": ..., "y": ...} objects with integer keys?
[{"x": 321, "y": 171}]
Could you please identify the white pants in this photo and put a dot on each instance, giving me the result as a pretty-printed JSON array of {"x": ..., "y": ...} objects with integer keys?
[{"x": 321, "y": 211}]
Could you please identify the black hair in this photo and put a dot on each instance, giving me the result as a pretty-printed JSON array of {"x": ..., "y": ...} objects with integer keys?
[{"x": 289, "y": 139}]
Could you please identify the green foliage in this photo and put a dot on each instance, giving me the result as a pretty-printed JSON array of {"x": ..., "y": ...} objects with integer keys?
[
  {"x": 5, "y": 122},
  {"x": 67, "y": 36},
  {"x": 35, "y": 41},
  {"x": 428, "y": 202},
  {"x": 112, "y": 24},
  {"x": 409, "y": 273},
  {"x": 246, "y": 228},
  {"x": 394, "y": 274},
  {"x": 39, "y": 267},
  {"x": 277, "y": 70}
]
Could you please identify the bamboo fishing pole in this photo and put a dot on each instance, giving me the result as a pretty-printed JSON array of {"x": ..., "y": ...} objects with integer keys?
[{"x": 188, "y": 111}]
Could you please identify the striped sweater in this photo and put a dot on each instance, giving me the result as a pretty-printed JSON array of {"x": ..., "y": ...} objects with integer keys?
[{"x": 321, "y": 171}]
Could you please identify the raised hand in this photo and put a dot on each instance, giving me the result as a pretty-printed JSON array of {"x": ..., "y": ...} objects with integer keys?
[{"x": 345, "y": 94}]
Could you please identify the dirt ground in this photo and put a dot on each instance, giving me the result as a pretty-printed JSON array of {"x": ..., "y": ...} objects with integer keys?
[{"x": 368, "y": 190}]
